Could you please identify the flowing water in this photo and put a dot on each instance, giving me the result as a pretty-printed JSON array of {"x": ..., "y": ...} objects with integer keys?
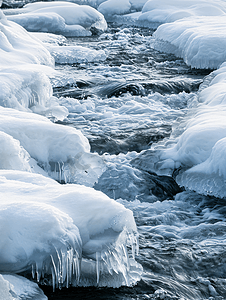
[{"x": 124, "y": 104}]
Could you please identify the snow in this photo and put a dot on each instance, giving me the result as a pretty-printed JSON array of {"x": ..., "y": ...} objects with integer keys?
[
  {"x": 200, "y": 41},
  {"x": 114, "y": 7},
  {"x": 17, "y": 287},
  {"x": 163, "y": 12},
  {"x": 199, "y": 142},
  {"x": 68, "y": 19},
  {"x": 41, "y": 218},
  {"x": 12, "y": 155},
  {"x": 62, "y": 151},
  {"x": 37, "y": 231},
  {"x": 75, "y": 54}
]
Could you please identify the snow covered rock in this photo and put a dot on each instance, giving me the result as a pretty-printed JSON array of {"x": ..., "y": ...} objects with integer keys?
[
  {"x": 42, "y": 222},
  {"x": 68, "y": 19},
  {"x": 200, "y": 41},
  {"x": 62, "y": 151},
  {"x": 163, "y": 11},
  {"x": 197, "y": 148}
]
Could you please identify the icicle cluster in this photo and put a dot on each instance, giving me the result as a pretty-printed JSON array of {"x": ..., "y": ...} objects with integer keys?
[{"x": 65, "y": 265}]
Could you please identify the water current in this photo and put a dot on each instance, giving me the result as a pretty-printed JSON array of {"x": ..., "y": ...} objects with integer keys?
[{"x": 123, "y": 104}]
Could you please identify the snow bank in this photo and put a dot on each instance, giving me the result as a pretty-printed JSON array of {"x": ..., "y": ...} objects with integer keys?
[
  {"x": 26, "y": 246},
  {"x": 59, "y": 17},
  {"x": 114, "y": 7},
  {"x": 200, "y": 41},
  {"x": 200, "y": 150},
  {"x": 37, "y": 230}
]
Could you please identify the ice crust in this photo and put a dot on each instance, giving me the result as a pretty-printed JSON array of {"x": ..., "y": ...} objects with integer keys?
[{"x": 59, "y": 17}]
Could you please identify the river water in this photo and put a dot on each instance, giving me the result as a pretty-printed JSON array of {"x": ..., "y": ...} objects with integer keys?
[{"x": 124, "y": 104}]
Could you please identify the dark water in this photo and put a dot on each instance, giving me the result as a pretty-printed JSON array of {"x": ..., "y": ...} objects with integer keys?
[{"x": 126, "y": 103}]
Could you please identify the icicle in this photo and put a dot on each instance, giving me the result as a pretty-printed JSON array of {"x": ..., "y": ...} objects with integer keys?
[
  {"x": 38, "y": 272},
  {"x": 126, "y": 256},
  {"x": 77, "y": 267},
  {"x": 53, "y": 278},
  {"x": 33, "y": 271},
  {"x": 98, "y": 267}
]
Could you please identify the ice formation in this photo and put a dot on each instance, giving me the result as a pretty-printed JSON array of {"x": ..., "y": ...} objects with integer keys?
[
  {"x": 59, "y": 17},
  {"x": 53, "y": 225}
]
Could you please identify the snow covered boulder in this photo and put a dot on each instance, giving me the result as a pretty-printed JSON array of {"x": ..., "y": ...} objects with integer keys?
[
  {"x": 18, "y": 47},
  {"x": 68, "y": 19},
  {"x": 197, "y": 149},
  {"x": 200, "y": 41},
  {"x": 62, "y": 151},
  {"x": 47, "y": 227},
  {"x": 38, "y": 238},
  {"x": 114, "y": 7}
]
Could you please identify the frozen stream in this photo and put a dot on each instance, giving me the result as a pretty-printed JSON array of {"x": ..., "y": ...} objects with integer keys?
[{"x": 124, "y": 104}]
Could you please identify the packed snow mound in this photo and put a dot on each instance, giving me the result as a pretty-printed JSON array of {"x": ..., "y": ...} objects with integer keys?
[
  {"x": 63, "y": 151},
  {"x": 200, "y": 41},
  {"x": 15, "y": 287},
  {"x": 208, "y": 177},
  {"x": 114, "y": 7},
  {"x": 68, "y": 19},
  {"x": 199, "y": 151},
  {"x": 36, "y": 217}
]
